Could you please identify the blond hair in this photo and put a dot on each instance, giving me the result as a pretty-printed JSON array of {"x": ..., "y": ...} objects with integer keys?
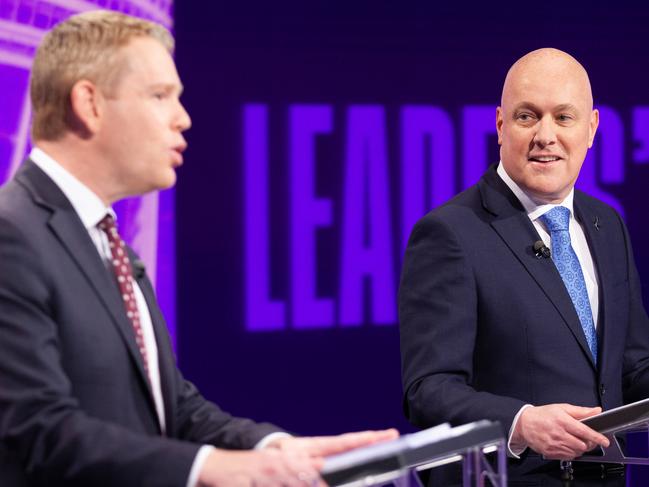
[{"x": 85, "y": 46}]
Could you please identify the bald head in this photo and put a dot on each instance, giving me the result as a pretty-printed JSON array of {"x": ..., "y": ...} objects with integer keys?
[
  {"x": 550, "y": 64},
  {"x": 546, "y": 123}
]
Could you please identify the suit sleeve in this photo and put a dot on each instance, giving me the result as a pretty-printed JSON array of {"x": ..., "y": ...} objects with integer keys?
[
  {"x": 199, "y": 420},
  {"x": 202, "y": 421},
  {"x": 438, "y": 316},
  {"x": 41, "y": 423}
]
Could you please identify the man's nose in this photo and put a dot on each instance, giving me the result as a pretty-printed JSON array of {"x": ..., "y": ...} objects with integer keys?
[
  {"x": 546, "y": 132},
  {"x": 183, "y": 121}
]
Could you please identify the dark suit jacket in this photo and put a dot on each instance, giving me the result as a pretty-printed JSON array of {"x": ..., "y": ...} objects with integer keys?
[
  {"x": 487, "y": 327},
  {"x": 75, "y": 405}
]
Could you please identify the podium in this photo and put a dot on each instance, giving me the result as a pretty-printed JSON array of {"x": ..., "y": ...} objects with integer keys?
[{"x": 398, "y": 462}]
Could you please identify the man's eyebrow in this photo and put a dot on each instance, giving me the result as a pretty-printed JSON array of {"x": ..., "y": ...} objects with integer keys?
[
  {"x": 526, "y": 105},
  {"x": 168, "y": 87},
  {"x": 566, "y": 107}
]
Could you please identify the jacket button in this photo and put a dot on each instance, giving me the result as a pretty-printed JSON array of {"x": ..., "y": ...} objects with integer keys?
[{"x": 602, "y": 389}]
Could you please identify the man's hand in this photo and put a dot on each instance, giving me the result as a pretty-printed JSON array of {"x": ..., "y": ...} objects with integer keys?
[
  {"x": 286, "y": 461},
  {"x": 556, "y": 432},
  {"x": 322, "y": 446},
  {"x": 259, "y": 468}
]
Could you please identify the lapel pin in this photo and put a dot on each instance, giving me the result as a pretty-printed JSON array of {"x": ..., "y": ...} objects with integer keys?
[{"x": 596, "y": 222}]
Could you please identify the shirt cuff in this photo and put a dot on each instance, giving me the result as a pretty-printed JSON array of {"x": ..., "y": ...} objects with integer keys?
[
  {"x": 514, "y": 450},
  {"x": 266, "y": 440},
  {"x": 197, "y": 466}
]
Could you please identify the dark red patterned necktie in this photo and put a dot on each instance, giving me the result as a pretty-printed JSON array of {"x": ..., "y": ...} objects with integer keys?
[{"x": 121, "y": 265}]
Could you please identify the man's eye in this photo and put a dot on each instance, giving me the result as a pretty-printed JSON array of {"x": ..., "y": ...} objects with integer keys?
[
  {"x": 524, "y": 117},
  {"x": 564, "y": 118},
  {"x": 159, "y": 96}
]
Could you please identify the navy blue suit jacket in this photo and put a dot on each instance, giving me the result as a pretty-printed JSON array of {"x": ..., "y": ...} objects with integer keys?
[
  {"x": 75, "y": 404},
  {"x": 487, "y": 327}
]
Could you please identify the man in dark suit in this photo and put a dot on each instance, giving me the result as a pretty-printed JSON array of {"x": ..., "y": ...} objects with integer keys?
[
  {"x": 491, "y": 326},
  {"x": 89, "y": 391}
]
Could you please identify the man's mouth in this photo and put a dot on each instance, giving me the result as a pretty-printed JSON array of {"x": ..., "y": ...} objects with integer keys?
[
  {"x": 178, "y": 154},
  {"x": 544, "y": 158}
]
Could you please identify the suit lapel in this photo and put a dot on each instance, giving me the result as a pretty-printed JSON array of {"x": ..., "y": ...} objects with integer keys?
[
  {"x": 595, "y": 236},
  {"x": 68, "y": 228},
  {"x": 166, "y": 362},
  {"x": 517, "y": 231}
]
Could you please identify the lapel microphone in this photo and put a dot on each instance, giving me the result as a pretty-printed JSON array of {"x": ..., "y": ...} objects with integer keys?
[
  {"x": 138, "y": 269},
  {"x": 541, "y": 250},
  {"x": 596, "y": 222}
]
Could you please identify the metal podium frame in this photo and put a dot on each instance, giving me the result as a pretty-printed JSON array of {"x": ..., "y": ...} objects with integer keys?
[
  {"x": 630, "y": 418},
  {"x": 615, "y": 453},
  {"x": 399, "y": 462}
]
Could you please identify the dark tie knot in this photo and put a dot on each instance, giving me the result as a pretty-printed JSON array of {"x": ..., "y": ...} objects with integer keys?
[
  {"x": 557, "y": 219},
  {"x": 108, "y": 224}
]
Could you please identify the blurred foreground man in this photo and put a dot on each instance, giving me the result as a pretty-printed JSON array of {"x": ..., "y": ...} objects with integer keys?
[
  {"x": 493, "y": 325},
  {"x": 89, "y": 391}
]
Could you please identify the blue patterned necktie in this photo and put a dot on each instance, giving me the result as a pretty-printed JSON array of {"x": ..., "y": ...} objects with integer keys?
[{"x": 567, "y": 263}]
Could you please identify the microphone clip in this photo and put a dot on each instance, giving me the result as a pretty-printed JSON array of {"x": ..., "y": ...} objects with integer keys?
[
  {"x": 541, "y": 250},
  {"x": 139, "y": 269}
]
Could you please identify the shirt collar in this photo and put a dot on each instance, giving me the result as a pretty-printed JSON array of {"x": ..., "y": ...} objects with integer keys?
[
  {"x": 534, "y": 210},
  {"x": 86, "y": 203}
]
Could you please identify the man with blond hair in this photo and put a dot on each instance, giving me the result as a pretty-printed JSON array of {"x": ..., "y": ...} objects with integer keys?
[
  {"x": 520, "y": 300},
  {"x": 89, "y": 391}
]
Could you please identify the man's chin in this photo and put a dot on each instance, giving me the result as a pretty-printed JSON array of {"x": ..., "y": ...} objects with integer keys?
[
  {"x": 549, "y": 194},
  {"x": 166, "y": 181}
]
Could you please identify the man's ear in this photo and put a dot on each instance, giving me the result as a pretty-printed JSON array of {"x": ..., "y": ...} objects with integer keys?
[
  {"x": 499, "y": 124},
  {"x": 592, "y": 126},
  {"x": 86, "y": 103}
]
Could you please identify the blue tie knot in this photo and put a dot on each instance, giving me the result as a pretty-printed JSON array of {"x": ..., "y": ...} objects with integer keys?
[{"x": 556, "y": 219}]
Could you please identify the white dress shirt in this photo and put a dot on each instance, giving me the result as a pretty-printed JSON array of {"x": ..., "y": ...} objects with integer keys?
[{"x": 534, "y": 211}]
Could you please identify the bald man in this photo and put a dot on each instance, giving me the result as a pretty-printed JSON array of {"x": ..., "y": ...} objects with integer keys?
[{"x": 495, "y": 326}]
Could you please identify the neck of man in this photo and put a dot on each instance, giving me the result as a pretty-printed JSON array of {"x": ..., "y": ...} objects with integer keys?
[{"x": 82, "y": 159}]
